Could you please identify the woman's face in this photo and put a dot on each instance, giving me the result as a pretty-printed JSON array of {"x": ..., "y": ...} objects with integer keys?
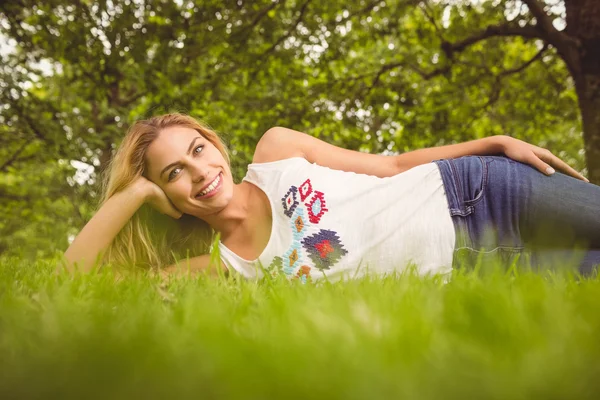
[{"x": 190, "y": 170}]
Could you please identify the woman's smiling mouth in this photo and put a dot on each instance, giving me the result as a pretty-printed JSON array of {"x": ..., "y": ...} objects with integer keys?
[{"x": 212, "y": 188}]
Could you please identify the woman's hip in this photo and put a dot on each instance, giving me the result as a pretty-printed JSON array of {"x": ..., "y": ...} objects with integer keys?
[{"x": 488, "y": 197}]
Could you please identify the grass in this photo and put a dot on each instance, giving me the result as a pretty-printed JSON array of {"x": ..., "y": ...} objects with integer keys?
[{"x": 494, "y": 335}]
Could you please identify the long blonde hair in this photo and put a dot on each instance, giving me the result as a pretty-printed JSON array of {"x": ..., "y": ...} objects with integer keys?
[{"x": 151, "y": 239}]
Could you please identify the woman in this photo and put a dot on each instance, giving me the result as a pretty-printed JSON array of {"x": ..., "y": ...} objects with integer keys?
[{"x": 308, "y": 209}]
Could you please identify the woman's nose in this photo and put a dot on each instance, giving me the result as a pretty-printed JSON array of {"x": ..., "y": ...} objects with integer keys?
[{"x": 198, "y": 173}]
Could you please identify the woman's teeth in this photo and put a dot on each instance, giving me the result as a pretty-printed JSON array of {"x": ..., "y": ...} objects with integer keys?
[{"x": 212, "y": 186}]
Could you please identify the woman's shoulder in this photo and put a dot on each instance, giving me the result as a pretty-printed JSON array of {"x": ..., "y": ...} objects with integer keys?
[
  {"x": 267, "y": 154},
  {"x": 261, "y": 171},
  {"x": 269, "y": 149},
  {"x": 275, "y": 162}
]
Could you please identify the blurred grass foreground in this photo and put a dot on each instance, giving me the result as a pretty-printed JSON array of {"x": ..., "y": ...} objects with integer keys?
[{"x": 497, "y": 335}]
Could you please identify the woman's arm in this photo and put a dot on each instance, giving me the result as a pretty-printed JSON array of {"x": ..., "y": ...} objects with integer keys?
[
  {"x": 479, "y": 147},
  {"x": 101, "y": 230},
  {"x": 280, "y": 143},
  {"x": 539, "y": 158},
  {"x": 104, "y": 226}
]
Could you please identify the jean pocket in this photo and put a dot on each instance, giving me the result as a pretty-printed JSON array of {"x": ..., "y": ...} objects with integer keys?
[{"x": 471, "y": 176}]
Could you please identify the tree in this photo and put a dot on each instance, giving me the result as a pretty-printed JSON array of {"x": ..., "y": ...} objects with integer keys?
[
  {"x": 578, "y": 45},
  {"x": 379, "y": 76}
]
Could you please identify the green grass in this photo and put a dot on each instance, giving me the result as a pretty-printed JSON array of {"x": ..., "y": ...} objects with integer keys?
[{"x": 479, "y": 336}]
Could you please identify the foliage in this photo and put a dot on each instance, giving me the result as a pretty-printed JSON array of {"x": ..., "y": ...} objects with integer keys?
[{"x": 371, "y": 75}]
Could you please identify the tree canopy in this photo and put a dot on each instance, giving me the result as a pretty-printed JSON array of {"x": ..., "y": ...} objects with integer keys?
[{"x": 385, "y": 76}]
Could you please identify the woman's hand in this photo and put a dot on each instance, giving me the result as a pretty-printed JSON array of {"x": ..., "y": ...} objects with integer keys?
[
  {"x": 538, "y": 157},
  {"x": 157, "y": 198}
]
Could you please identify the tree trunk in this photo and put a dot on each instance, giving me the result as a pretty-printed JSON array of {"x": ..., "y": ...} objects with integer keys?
[
  {"x": 588, "y": 91},
  {"x": 104, "y": 159},
  {"x": 583, "y": 24}
]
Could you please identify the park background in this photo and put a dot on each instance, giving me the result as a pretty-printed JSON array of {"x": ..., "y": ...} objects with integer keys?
[{"x": 378, "y": 76}]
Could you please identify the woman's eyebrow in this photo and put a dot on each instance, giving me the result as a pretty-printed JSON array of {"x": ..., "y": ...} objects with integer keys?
[{"x": 175, "y": 163}]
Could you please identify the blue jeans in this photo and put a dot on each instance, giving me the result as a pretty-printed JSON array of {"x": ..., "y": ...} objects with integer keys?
[{"x": 503, "y": 208}]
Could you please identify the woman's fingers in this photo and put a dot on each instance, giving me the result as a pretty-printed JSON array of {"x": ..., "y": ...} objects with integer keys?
[
  {"x": 539, "y": 158},
  {"x": 560, "y": 165},
  {"x": 537, "y": 162},
  {"x": 176, "y": 214},
  {"x": 173, "y": 211}
]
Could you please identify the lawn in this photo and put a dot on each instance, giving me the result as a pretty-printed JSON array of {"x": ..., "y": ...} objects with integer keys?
[{"x": 496, "y": 335}]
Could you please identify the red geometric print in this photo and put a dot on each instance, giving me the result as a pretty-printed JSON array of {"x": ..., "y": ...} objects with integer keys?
[
  {"x": 305, "y": 190},
  {"x": 316, "y": 207},
  {"x": 324, "y": 248}
]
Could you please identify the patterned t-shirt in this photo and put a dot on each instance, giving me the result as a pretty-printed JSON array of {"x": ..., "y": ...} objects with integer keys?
[{"x": 331, "y": 223}]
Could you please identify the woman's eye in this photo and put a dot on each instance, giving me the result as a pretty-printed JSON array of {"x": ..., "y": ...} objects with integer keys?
[{"x": 172, "y": 174}]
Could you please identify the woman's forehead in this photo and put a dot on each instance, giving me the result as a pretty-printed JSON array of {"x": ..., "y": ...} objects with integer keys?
[
  {"x": 170, "y": 145},
  {"x": 173, "y": 139},
  {"x": 176, "y": 133}
]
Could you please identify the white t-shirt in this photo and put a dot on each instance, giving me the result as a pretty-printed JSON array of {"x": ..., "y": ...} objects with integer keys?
[{"x": 338, "y": 224}]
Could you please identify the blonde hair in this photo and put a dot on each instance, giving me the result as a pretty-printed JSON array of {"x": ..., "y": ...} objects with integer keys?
[{"x": 151, "y": 239}]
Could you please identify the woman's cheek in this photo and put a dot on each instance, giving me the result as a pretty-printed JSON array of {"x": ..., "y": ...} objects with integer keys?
[{"x": 179, "y": 194}]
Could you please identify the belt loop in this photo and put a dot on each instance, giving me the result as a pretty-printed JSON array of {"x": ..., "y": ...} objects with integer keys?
[{"x": 452, "y": 186}]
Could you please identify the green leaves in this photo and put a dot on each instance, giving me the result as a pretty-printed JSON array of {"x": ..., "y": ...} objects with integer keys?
[{"x": 376, "y": 76}]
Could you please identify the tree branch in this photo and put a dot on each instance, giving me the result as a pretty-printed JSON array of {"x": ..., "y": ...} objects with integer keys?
[
  {"x": 282, "y": 38},
  {"x": 131, "y": 99},
  {"x": 290, "y": 31},
  {"x": 363, "y": 11},
  {"x": 566, "y": 45},
  {"x": 431, "y": 74},
  {"x": 260, "y": 15},
  {"x": 384, "y": 68},
  {"x": 22, "y": 114},
  {"x": 497, "y": 86},
  {"x": 12, "y": 159},
  {"x": 428, "y": 12},
  {"x": 426, "y": 75},
  {"x": 543, "y": 20},
  {"x": 526, "y": 64},
  {"x": 500, "y": 30}
]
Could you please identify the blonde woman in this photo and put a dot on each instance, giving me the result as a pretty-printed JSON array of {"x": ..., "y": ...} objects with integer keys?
[{"x": 308, "y": 209}]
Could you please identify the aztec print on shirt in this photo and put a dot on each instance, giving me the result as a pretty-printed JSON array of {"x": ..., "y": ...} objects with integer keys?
[{"x": 305, "y": 207}]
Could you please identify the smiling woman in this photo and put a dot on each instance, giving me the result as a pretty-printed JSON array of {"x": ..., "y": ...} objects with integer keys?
[
  {"x": 307, "y": 209},
  {"x": 138, "y": 224}
]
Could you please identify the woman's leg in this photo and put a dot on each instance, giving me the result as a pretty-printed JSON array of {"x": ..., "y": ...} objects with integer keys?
[
  {"x": 502, "y": 207},
  {"x": 562, "y": 220},
  {"x": 561, "y": 211},
  {"x": 585, "y": 260}
]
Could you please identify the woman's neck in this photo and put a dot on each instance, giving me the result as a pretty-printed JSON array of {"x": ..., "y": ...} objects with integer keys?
[{"x": 236, "y": 213}]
